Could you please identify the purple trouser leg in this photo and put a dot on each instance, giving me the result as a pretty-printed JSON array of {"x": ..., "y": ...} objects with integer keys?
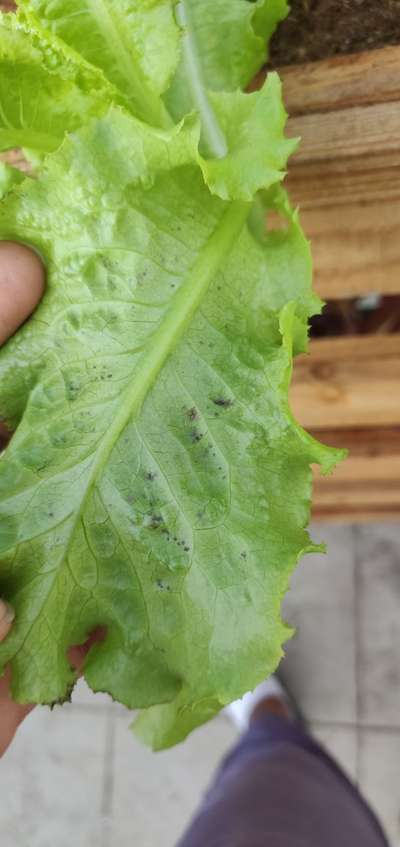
[{"x": 278, "y": 788}]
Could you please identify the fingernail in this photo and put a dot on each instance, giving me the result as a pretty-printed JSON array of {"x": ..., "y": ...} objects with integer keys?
[{"x": 7, "y": 613}]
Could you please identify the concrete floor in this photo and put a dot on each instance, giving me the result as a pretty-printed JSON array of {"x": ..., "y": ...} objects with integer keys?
[{"x": 77, "y": 775}]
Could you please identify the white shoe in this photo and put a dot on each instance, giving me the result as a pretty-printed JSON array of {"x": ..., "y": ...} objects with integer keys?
[{"x": 240, "y": 710}]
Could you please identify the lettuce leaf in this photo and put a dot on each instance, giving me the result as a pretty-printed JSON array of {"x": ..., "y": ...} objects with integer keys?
[
  {"x": 224, "y": 44},
  {"x": 156, "y": 482},
  {"x": 9, "y": 177},
  {"x": 45, "y": 88},
  {"x": 135, "y": 43},
  {"x": 262, "y": 117}
]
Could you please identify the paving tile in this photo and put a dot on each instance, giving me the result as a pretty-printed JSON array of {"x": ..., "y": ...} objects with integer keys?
[
  {"x": 378, "y": 590},
  {"x": 155, "y": 794},
  {"x": 319, "y": 667},
  {"x": 341, "y": 743},
  {"x": 380, "y": 777},
  {"x": 51, "y": 781}
]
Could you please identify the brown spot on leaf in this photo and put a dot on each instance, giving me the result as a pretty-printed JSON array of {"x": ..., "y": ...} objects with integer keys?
[{"x": 223, "y": 401}]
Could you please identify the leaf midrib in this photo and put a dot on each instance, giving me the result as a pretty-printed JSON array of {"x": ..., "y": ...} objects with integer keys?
[
  {"x": 211, "y": 131},
  {"x": 114, "y": 35}
]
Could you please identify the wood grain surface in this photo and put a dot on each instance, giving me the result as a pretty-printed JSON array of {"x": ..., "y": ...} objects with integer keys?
[
  {"x": 348, "y": 382},
  {"x": 346, "y": 172},
  {"x": 347, "y": 393},
  {"x": 342, "y": 82},
  {"x": 367, "y": 485}
]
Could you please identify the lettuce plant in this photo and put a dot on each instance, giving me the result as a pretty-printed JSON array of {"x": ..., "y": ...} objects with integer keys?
[{"x": 156, "y": 482}]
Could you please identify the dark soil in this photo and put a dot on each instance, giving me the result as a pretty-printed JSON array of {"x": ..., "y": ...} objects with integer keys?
[{"x": 316, "y": 29}]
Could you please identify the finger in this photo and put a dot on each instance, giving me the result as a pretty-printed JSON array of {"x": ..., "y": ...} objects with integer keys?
[
  {"x": 77, "y": 654},
  {"x": 22, "y": 281},
  {"x": 6, "y": 618},
  {"x": 11, "y": 714}
]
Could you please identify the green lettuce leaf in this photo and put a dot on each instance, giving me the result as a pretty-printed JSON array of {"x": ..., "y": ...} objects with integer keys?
[
  {"x": 156, "y": 482},
  {"x": 267, "y": 15},
  {"x": 262, "y": 117},
  {"x": 225, "y": 43},
  {"x": 152, "y": 373},
  {"x": 281, "y": 256},
  {"x": 135, "y": 43},
  {"x": 9, "y": 177},
  {"x": 45, "y": 88}
]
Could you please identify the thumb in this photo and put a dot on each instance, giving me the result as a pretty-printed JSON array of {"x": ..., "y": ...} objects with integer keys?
[
  {"x": 22, "y": 281},
  {"x": 6, "y": 619}
]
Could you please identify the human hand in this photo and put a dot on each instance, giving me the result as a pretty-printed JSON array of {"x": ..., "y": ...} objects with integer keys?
[
  {"x": 11, "y": 714},
  {"x": 22, "y": 283},
  {"x": 21, "y": 288}
]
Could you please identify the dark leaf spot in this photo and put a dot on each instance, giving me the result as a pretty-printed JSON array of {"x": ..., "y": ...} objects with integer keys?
[
  {"x": 196, "y": 436},
  {"x": 223, "y": 401},
  {"x": 155, "y": 521}
]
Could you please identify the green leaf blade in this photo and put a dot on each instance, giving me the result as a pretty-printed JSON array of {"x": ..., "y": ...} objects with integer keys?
[
  {"x": 134, "y": 42},
  {"x": 157, "y": 482},
  {"x": 168, "y": 493},
  {"x": 9, "y": 177},
  {"x": 225, "y": 43},
  {"x": 45, "y": 88},
  {"x": 260, "y": 116}
]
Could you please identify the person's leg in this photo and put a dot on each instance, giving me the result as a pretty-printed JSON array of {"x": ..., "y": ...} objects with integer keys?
[{"x": 279, "y": 788}]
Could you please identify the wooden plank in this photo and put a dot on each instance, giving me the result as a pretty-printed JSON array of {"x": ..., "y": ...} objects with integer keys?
[
  {"x": 367, "y": 475},
  {"x": 348, "y": 382},
  {"x": 362, "y": 443},
  {"x": 355, "y": 248},
  {"x": 355, "y": 241},
  {"x": 344, "y": 349},
  {"x": 348, "y": 133},
  {"x": 344, "y": 107},
  {"x": 359, "y": 494},
  {"x": 342, "y": 82},
  {"x": 351, "y": 501},
  {"x": 346, "y": 174},
  {"x": 368, "y": 180},
  {"x": 365, "y": 486}
]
